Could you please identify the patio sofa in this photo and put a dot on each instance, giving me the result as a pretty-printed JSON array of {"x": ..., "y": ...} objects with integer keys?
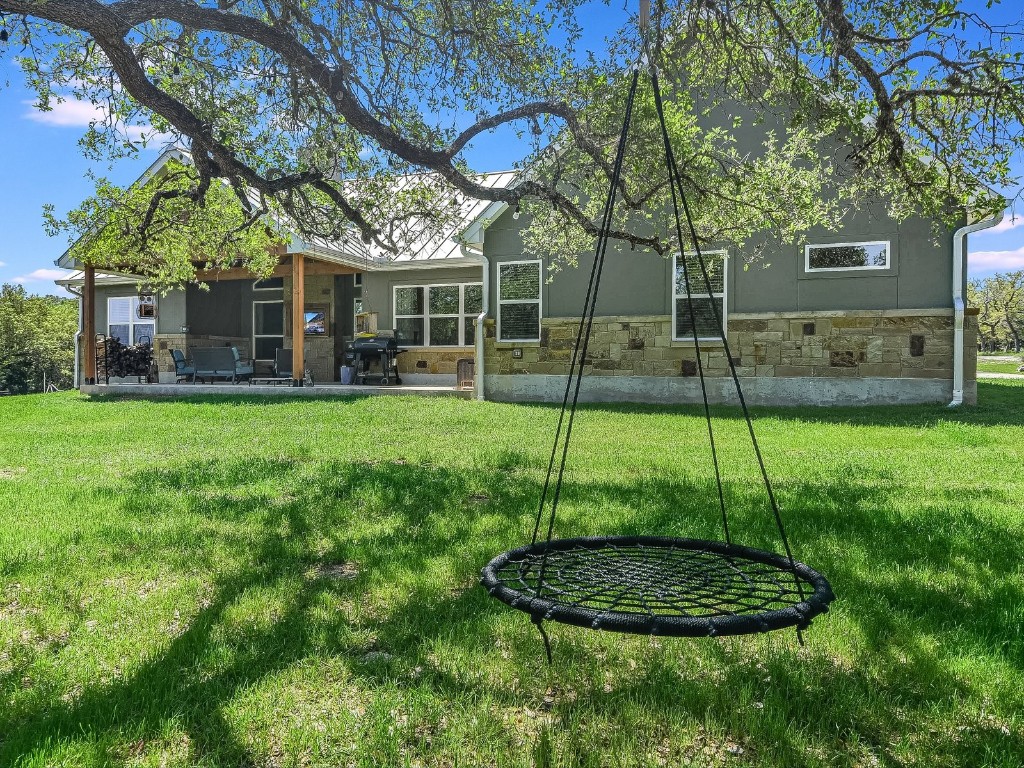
[{"x": 217, "y": 363}]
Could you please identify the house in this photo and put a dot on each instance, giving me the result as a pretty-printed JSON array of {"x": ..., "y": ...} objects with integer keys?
[{"x": 872, "y": 314}]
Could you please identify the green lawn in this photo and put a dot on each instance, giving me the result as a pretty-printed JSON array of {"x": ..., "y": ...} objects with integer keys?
[
  {"x": 235, "y": 582},
  {"x": 999, "y": 365}
]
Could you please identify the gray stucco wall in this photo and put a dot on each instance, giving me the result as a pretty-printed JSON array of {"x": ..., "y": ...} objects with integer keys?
[
  {"x": 378, "y": 287},
  {"x": 104, "y": 292},
  {"x": 775, "y": 280},
  {"x": 170, "y": 309},
  {"x": 633, "y": 282},
  {"x": 170, "y": 312},
  {"x": 224, "y": 310},
  {"x": 640, "y": 282}
]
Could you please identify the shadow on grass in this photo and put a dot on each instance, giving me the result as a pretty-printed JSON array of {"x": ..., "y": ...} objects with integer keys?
[
  {"x": 1000, "y": 403},
  {"x": 420, "y": 533}
]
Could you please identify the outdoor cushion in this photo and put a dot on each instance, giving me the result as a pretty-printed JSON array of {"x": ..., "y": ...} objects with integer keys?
[{"x": 213, "y": 363}]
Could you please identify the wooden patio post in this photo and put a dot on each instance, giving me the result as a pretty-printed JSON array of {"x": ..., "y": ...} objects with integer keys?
[
  {"x": 89, "y": 325},
  {"x": 298, "y": 318}
]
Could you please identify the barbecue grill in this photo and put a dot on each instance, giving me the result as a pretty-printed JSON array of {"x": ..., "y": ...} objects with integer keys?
[{"x": 382, "y": 350}]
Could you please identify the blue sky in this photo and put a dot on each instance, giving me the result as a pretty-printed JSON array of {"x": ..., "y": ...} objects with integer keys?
[{"x": 41, "y": 163}]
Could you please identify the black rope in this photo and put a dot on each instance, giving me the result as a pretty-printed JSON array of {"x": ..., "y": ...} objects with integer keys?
[
  {"x": 675, "y": 173},
  {"x": 544, "y": 635},
  {"x": 587, "y": 319},
  {"x": 689, "y": 302},
  {"x": 567, "y": 414},
  {"x": 591, "y": 296}
]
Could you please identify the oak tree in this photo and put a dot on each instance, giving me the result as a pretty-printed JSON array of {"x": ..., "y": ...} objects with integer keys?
[{"x": 306, "y": 111}]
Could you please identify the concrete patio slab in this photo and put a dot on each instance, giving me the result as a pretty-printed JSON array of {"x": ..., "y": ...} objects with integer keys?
[{"x": 269, "y": 390}]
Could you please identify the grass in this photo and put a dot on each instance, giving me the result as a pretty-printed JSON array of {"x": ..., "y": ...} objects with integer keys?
[
  {"x": 236, "y": 582},
  {"x": 1000, "y": 364}
]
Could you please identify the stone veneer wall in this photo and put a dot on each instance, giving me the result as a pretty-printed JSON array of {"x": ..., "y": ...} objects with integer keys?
[
  {"x": 318, "y": 350},
  {"x": 163, "y": 343},
  {"x": 435, "y": 360},
  {"x": 866, "y": 343}
]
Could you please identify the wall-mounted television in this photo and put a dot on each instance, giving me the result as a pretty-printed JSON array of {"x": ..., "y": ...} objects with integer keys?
[{"x": 315, "y": 322}]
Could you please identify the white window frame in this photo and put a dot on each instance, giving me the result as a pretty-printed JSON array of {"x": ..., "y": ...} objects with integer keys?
[
  {"x": 539, "y": 301},
  {"x": 809, "y": 246},
  {"x": 702, "y": 294},
  {"x": 133, "y": 317},
  {"x": 357, "y": 297},
  {"x": 461, "y": 316},
  {"x": 357, "y": 309},
  {"x": 266, "y": 335}
]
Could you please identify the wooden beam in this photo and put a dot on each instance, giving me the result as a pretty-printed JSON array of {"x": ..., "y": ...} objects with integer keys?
[
  {"x": 298, "y": 318},
  {"x": 238, "y": 273},
  {"x": 89, "y": 325},
  {"x": 314, "y": 267},
  {"x": 284, "y": 269}
]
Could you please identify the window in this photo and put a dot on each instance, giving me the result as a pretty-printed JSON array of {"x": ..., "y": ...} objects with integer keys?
[
  {"x": 125, "y": 321},
  {"x": 519, "y": 301},
  {"x": 267, "y": 328},
  {"x": 822, "y": 258},
  {"x": 437, "y": 315},
  {"x": 357, "y": 293},
  {"x": 269, "y": 284},
  {"x": 706, "y": 298}
]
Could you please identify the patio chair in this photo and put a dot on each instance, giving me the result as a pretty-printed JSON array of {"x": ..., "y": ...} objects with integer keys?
[
  {"x": 182, "y": 370},
  {"x": 283, "y": 367},
  {"x": 243, "y": 370}
]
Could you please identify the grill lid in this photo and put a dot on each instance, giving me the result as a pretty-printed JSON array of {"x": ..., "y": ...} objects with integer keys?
[{"x": 374, "y": 344}]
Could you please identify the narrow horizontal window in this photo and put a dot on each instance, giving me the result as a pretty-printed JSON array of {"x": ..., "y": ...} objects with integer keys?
[
  {"x": 821, "y": 258},
  {"x": 269, "y": 284}
]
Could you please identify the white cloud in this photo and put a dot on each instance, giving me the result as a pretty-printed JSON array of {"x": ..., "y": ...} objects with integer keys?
[
  {"x": 1009, "y": 222},
  {"x": 3, "y": 263},
  {"x": 67, "y": 113},
  {"x": 996, "y": 261},
  {"x": 79, "y": 114},
  {"x": 39, "y": 275}
]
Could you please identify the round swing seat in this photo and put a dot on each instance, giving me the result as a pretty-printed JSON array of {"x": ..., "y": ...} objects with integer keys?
[{"x": 652, "y": 585}]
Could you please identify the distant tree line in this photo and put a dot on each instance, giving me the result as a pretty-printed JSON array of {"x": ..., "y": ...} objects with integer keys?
[
  {"x": 37, "y": 340},
  {"x": 1000, "y": 303}
]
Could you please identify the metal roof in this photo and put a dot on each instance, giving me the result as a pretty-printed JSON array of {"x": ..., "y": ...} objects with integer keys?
[{"x": 417, "y": 246}]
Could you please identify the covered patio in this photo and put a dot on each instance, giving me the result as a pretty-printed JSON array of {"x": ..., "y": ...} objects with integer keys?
[{"x": 296, "y": 308}]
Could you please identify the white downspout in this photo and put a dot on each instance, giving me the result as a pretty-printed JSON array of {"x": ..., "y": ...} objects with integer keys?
[
  {"x": 959, "y": 307},
  {"x": 478, "y": 336}
]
